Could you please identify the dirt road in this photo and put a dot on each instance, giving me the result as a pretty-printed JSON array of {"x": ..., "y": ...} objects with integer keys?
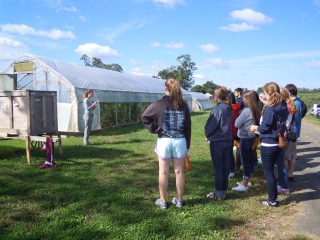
[{"x": 306, "y": 188}]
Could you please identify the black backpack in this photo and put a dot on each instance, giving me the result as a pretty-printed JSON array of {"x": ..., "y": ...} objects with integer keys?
[{"x": 304, "y": 108}]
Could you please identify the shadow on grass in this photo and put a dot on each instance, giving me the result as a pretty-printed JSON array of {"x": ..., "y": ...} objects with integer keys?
[{"x": 81, "y": 197}]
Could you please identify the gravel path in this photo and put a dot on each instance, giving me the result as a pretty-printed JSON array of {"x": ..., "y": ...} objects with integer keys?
[{"x": 306, "y": 188}]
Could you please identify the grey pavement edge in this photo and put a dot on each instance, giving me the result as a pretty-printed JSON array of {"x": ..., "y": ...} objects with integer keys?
[{"x": 306, "y": 187}]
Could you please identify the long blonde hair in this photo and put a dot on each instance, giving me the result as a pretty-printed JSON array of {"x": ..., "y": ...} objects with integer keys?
[
  {"x": 86, "y": 93},
  {"x": 173, "y": 87},
  {"x": 222, "y": 94},
  {"x": 286, "y": 97},
  {"x": 273, "y": 90},
  {"x": 252, "y": 104}
]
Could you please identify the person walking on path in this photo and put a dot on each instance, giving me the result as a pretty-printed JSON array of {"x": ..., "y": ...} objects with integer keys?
[
  {"x": 170, "y": 118},
  {"x": 274, "y": 116},
  {"x": 218, "y": 132},
  {"x": 88, "y": 115}
]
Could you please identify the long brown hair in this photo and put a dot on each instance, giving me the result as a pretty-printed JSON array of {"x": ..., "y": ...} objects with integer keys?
[
  {"x": 286, "y": 97},
  {"x": 222, "y": 94},
  {"x": 173, "y": 87},
  {"x": 86, "y": 93},
  {"x": 252, "y": 104},
  {"x": 273, "y": 90}
]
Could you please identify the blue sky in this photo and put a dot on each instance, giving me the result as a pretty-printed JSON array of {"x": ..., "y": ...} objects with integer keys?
[{"x": 234, "y": 43}]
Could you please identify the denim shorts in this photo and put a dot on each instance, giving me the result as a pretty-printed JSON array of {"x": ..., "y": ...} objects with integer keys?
[{"x": 168, "y": 148}]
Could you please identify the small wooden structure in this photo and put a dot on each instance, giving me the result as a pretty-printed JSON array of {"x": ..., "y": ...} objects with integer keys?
[
  {"x": 28, "y": 112},
  {"x": 29, "y": 115}
]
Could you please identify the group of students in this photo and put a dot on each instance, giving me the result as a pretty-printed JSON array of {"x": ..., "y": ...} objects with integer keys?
[{"x": 249, "y": 120}]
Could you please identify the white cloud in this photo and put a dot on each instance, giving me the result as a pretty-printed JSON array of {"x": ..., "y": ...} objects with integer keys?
[
  {"x": 133, "y": 61},
  {"x": 158, "y": 65},
  {"x": 210, "y": 48},
  {"x": 82, "y": 18},
  {"x": 239, "y": 27},
  {"x": 71, "y": 9},
  {"x": 10, "y": 42},
  {"x": 11, "y": 49},
  {"x": 140, "y": 72},
  {"x": 313, "y": 64},
  {"x": 293, "y": 55},
  {"x": 250, "y": 16},
  {"x": 95, "y": 50},
  {"x": 199, "y": 76},
  {"x": 216, "y": 62},
  {"x": 155, "y": 44},
  {"x": 169, "y": 3},
  {"x": 175, "y": 45},
  {"x": 26, "y": 30},
  {"x": 111, "y": 33}
]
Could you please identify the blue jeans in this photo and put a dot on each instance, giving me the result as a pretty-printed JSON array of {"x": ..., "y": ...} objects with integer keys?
[
  {"x": 88, "y": 118},
  {"x": 269, "y": 156},
  {"x": 245, "y": 154},
  {"x": 282, "y": 171},
  {"x": 220, "y": 156}
]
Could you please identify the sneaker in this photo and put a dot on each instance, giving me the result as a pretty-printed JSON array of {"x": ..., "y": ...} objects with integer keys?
[
  {"x": 266, "y": 202},
  {"x": 161, "y": 204},
  {"x": 283, "y": 191},
  {"x": 48, "y": 165},
  {"x": 249, "y": 184},
  {"x": 240, "y": 188},
  {"x": 176, "y": 202},
  {"x": 231, "y": 175}
]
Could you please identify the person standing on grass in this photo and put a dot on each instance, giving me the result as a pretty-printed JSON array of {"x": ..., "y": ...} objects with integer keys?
[
  {"x": 289, "y": 153},
  {"x": 274, "y": 117},
  {"x": 293, "y": 91},
  {"x": 218, "y": 132},
  {"x": 249, "y": 115},
  {"x": 238, "y": 95},
  {"x": 236, "y": 112},
  {"x": 170, "y": 118},
  {"x": 88, "y": 115}
]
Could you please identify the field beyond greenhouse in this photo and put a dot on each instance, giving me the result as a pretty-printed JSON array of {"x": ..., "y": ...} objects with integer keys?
[{"x": 107, "y": 191}]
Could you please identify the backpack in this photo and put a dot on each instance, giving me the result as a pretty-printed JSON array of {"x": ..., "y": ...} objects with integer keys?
[{"x": 304, "y": 108}]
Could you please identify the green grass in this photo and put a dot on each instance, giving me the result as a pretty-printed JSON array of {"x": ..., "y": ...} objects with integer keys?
[{"x": 107, "y": 191}]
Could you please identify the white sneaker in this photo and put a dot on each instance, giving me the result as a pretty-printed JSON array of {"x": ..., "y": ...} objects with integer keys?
[
  {"x": 249, "y": 184},
  {"x": 240, "y": 188},
  {"x": 231, "y": 175}
]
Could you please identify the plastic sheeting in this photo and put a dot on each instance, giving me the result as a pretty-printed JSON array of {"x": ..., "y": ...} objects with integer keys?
[
  {"x": 71, "y": 80},
  {"x": 200, "y": 101}
]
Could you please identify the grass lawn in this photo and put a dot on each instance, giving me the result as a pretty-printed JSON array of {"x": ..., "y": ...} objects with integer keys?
[{"x": 107, "y": 191}]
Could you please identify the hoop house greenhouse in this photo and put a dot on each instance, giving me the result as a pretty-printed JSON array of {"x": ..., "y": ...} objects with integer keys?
[
  {"x": 200, "y": 101},
  {"x": 122, "y": 97}
]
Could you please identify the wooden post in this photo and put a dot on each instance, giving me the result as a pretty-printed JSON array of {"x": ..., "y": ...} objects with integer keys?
[
  {"x": 27, "y": 138},
  {"x": 60, "y": 145}
]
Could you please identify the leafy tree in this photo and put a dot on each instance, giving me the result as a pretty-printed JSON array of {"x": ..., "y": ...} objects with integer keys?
[
  {"x": 198, "y": 88},
  {"x": 260, "y": 90},
  {"x": 210, "y": 87},
  {"x": 86, "y": 59},
  {"x": 182, "y": 73},
  {"x": 96, "y": 62},
  {"x": 114, "y": 67}
]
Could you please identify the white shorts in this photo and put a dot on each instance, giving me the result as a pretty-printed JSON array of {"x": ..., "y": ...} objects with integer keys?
[{"x": 168, "y": 148}]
